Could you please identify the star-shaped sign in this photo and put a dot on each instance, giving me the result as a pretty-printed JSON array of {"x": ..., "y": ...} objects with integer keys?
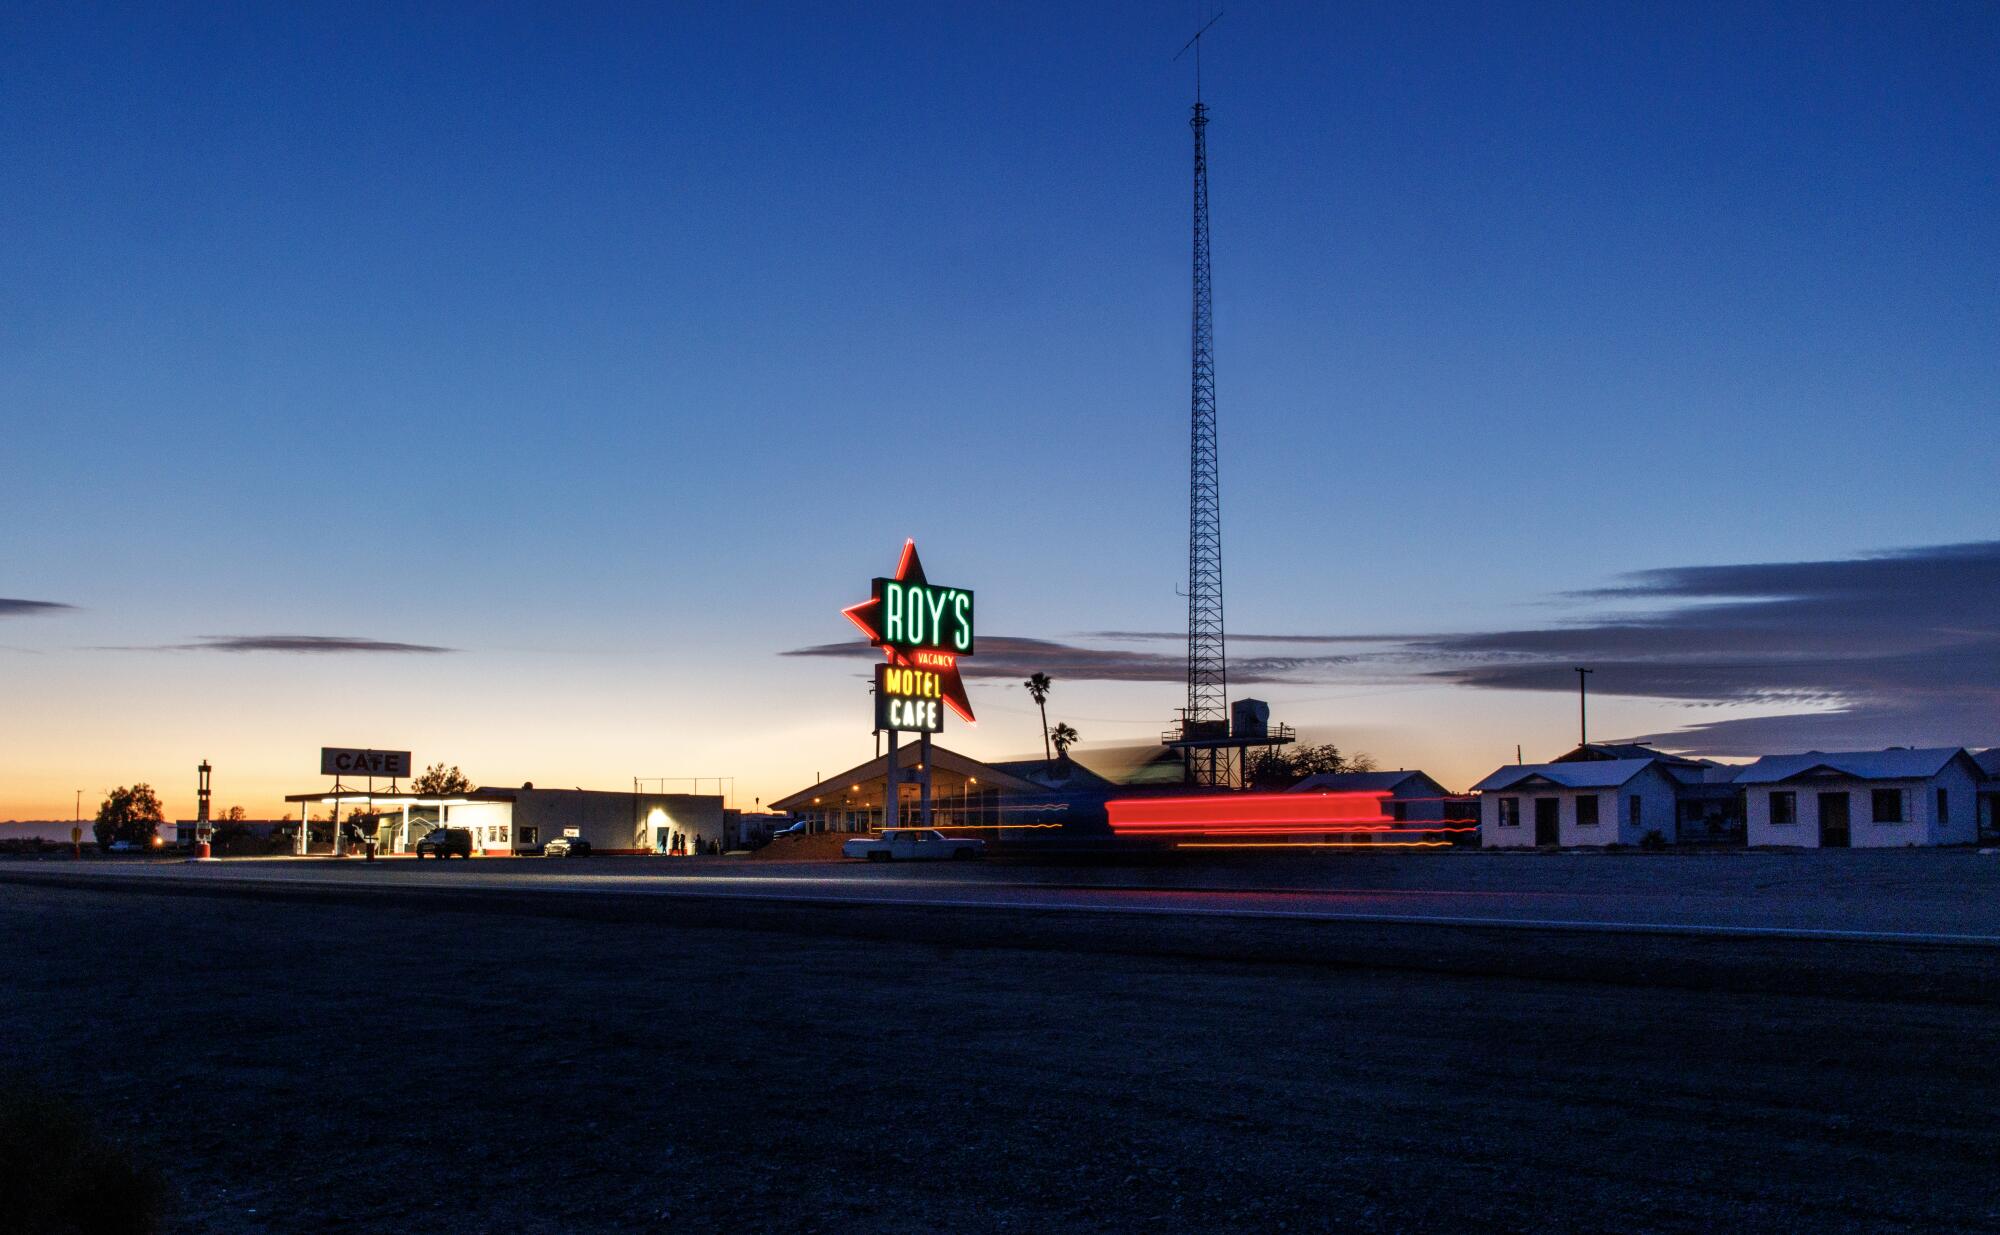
[{"x": 929, "y": 647}]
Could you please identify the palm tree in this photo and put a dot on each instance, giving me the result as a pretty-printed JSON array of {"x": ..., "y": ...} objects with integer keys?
[
  {"x": 1064, "y": 737},
  {"x": 1038, "y": 690}
]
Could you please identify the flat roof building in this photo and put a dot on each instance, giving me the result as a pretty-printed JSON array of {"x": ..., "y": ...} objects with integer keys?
[{"x": 511, "y": 821}]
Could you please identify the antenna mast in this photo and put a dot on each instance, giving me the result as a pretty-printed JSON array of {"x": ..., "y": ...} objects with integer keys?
[{"x": 1207, "y": 669}]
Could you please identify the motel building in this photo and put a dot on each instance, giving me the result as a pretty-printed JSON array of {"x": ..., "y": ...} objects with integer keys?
[
  {"x": 1596, "y": 802},
  {"x": 1014, "y": 801},
  {"x": 505, "y": 822},
  {"x": 1863, "y": 799}
]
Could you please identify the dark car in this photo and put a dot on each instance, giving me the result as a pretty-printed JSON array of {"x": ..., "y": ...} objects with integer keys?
[
  {"x": 567, "y": 847},
  {"x": 443, "y": 843}
]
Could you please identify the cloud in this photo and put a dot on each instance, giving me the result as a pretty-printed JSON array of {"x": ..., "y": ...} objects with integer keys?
[
  {"x": 309, "y": 644},
  {"x": 1899, "y": 647},
  {"x": 1891, "y": 648},
  {"x": 30, "y": 608},
  {"x": 1003, "y": 656},
  {"x": 1179, "y": 636}
]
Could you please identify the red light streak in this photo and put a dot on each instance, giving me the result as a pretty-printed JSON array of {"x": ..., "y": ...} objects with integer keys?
[
  {"x": 1275, "y": 814},
  {"x": 1315, "y": 844}
]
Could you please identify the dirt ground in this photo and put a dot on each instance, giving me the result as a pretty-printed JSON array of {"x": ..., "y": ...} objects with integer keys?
[{"x": 330, "y": 1067}]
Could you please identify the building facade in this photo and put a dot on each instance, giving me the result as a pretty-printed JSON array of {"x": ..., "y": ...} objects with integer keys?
[
  {"x": 516, "y": 821},
  {"x": 1588, "y": 803},
  {"x": 1863, "y": 799}
]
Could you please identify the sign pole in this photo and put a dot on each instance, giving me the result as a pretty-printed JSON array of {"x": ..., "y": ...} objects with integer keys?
[
  {"x": 893, "y": 786},
  {"x": 924, "y": 763}
]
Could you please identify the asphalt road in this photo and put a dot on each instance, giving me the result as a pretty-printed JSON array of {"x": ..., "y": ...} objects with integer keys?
[
  {"x": 318, "y": 1057},
  {"x": 1903, "y": 895}
]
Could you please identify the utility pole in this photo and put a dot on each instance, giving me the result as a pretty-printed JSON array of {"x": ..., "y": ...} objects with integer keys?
[{"x": 1582, "y": 717}]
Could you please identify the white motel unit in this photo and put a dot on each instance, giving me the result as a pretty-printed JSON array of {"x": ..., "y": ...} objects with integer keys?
[
  {"x": 1599, "y": 802},
  {"x": 1863, "y": 799}
]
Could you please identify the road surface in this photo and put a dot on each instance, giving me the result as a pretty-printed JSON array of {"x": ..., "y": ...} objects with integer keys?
[
  {"x": 414, "y": 1051},
  {"x": 1904, "y": 895}
]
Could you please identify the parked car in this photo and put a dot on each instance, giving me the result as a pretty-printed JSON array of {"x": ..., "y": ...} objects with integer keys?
[
  {"x": 441, "y": 843},
  {"x": 913, "y": 845},
  {"x": 567, "y": 847},
  {"x": 797, "y": 829},
  {"x": 124, "y": 846}
]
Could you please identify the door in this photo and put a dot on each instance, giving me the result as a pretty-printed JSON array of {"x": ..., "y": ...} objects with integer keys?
[
  {"x": 1833, "y": 821},
  {"x": 1547, "y": 831}
]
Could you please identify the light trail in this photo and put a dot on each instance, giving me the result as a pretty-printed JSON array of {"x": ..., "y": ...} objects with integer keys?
[
  {"x": 1315, "y": 844},
  {"x": 1297, "y": 815}
]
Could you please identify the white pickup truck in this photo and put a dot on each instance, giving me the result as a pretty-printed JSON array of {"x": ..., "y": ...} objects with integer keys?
[{"x": 913, "y": 845}]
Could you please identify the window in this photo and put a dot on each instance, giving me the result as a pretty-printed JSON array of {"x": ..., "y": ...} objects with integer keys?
[
  {"x": 1944, "y": 807},
  {"x": 1784, "y": 806},
  {"x": 530, "y": 836},
  {"x": 1586, "y": 811},
  {"x": 1635, "y": 806},
  {"x": 1510, "y": 812},
  {"x": 1888, "y": 805}
]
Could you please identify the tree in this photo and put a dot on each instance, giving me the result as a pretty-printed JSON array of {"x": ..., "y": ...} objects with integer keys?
[
  {"x": 438, "y": 780},
  {"x": 233, "y": 815},
  {"x": 1283, "y": 766},
  {"x": 1038, "y": 690},
  {"x": 132, "y": 814},
  {"x": 1064, "y": 737}
]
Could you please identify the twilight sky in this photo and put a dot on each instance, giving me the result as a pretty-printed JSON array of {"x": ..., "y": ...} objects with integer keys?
[{"x": 525, "y": 387}]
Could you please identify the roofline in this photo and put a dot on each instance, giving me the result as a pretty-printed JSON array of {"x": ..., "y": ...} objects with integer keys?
[
  {"x": 867, "y": 771},
  {"x": 1957, "y": 754}
]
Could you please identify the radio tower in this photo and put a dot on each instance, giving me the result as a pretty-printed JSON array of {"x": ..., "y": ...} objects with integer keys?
[
  {"x": 1207, "y": 668},
  {"x": 1215, "y": 738},
  {"x": 1209, "y": 696}
]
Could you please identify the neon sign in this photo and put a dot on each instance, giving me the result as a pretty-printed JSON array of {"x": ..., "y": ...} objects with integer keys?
[
  {"x": 922, "y": 629},
  {"x": 909, "y": 700},
  {"x": 918, "y": 616}
]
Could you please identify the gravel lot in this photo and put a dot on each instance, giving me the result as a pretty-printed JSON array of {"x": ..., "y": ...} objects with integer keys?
[{"x": 385, "y": 1068}]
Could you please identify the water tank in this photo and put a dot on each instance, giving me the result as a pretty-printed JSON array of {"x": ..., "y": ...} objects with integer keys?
[{"x": 1250, "y": 718}]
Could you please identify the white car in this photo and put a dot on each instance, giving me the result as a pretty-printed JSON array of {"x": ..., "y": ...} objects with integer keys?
[{"x": 913, "y": 845}]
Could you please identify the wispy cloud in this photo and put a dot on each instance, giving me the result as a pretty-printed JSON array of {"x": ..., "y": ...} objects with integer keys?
[
  {"x": 1888, "y": 648},
  {"x": 1002, "y": 656},
  {"x": 10, "y": 607},
  {"x": 1897, "y": 647},
  {"x": 1178, "y": 636},
  {"x": 317, "y": 645}
]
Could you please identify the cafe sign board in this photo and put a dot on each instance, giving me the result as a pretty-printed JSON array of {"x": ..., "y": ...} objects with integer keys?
[
  {"x": 922, "y": 628},
  {"x": 340, "y": 761},
  {"x": 909, "y": 699}
]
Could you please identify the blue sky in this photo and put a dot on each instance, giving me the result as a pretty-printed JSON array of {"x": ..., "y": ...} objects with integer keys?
[{"x": 616, "y": 348}]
